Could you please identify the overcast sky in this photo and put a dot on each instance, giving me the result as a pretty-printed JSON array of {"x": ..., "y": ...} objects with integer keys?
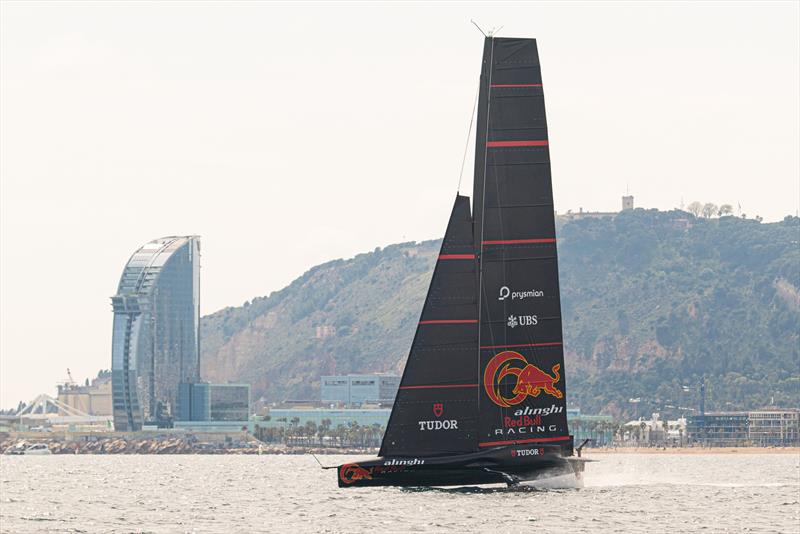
[{"x": 287, "y": 136}]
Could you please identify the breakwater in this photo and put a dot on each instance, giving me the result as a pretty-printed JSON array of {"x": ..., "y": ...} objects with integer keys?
[{"x": 165, "y": 445}]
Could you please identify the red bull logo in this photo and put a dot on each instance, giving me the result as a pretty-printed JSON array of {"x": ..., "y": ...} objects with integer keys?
[
  {"x": 531, "y": 381},
  {"x": 350, "y": 473}
]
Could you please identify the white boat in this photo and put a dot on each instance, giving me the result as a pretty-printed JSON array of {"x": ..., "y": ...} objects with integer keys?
[
  {"x": 35, "y": 449},
  {"x": 38, "y": 448}
]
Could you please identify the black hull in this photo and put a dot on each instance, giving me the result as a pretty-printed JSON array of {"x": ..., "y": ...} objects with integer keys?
[{"x": 508, "y": 464}]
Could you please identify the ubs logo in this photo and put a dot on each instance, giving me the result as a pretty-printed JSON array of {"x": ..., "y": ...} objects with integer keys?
[{"x": 522, "y": 320}]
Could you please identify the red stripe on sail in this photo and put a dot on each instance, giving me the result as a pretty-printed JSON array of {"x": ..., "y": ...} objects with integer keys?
[
  {"x": 519, "y": 241},
  {"x": 515, "y": 441},
  {"x": 447, "y": 386},
  {"x": 450, "y": 321},
  {"x": 495, "y": 144},
  {"x": 516, "y": 85},
  {"x": 551, "y": 344},
  {"x": 457, "y": 256}
]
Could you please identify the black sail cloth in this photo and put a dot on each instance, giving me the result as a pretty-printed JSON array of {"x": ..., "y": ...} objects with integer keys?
[
  {"x": 521, "y": 356},
  {"x": 486, "y": 367},
  {"x": 436, "y": 408}
]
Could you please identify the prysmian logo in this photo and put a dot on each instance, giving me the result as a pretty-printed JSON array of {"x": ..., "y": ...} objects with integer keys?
[{"x": 505, "y": 292}]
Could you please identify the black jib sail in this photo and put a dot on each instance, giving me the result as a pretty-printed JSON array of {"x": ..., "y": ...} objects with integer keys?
[
  {"x": 483, "y": 395},
  {"x": 436, "y": 408}
]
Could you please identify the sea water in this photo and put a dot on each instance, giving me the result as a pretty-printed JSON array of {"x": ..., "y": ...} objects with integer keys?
[{"x": 648, "y": 493}]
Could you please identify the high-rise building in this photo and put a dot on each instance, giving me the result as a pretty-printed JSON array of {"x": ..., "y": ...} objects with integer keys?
[{"x": 155, "y": 344}]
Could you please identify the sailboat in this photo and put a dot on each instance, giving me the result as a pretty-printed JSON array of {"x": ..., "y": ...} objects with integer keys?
[{"x": 482, "y": 399}]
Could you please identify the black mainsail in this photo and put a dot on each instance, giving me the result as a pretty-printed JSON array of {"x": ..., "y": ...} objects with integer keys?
[
  {"x": 483, "y": 396},
  {"x": 520, "y": 338}
]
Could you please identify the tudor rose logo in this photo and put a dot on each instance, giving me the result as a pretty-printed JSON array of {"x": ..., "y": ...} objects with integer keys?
[
  {"x": 531, "y": 381},
  {"x": 438, "y": 409}
]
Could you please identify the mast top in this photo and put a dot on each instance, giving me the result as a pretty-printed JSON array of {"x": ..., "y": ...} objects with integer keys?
[{"x": 491, "y": 33}]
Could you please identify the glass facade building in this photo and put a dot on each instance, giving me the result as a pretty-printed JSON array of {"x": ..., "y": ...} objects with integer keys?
[
  {"x": 155, "y": 340},
  {"x": 213, "y": 402},
  {"x": 359, "y": 389}
]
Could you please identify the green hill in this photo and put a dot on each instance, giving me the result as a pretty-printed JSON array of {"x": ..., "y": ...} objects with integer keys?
[{"x": 651, "y": 300}]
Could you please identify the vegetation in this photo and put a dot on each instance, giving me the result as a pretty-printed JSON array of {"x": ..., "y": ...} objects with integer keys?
[
  {"x": 652, "y": 301},
  {"x": 323, "y": 435}
]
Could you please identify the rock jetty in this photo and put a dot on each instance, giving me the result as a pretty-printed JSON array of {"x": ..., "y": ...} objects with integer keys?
[{"x": 167, "y": 445}]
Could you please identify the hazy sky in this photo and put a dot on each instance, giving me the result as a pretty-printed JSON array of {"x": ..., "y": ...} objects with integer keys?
[{"x": 287, "y": 136}]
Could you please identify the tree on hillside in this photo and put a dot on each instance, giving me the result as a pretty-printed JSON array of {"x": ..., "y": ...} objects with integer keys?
[
  {"x": 695, "y": 208},
  {"x": 709, "y": 210},
  {"x": 725, "y": 209}
]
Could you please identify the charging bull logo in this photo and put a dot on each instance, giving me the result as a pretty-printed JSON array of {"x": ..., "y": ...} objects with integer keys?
[
  {"x": 531, "y": 381},
  {"x": 350, "y": 473}
]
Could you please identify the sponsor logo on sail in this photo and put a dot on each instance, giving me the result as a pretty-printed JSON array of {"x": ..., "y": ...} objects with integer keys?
[
  {"x": 530, "y": 380},
  {"x": 350, "y": 473},
  {"x": 525, "y": 431},
  {"x": 543, "y": 411},
  {"x": 527, "y": 452},
  {"x": 522, "y": 320},
  {"x": 447, "y": 424},
  {"x": 529, "y": 421},
  {"x": 410, "y": 461},
  {"x": 505, "y": 292}
]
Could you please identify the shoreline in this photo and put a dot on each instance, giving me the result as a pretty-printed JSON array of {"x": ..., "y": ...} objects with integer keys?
[
  {"x": 254, "y": 447},
  {"x": 693, "y": 450}
]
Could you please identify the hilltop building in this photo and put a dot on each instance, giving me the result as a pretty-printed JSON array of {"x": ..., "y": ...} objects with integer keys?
[
  {"x": 627, "y": 202},
  {"x": 155, "y": 342}
]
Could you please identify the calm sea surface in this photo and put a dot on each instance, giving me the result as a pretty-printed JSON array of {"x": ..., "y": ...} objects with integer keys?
[{"x": 623, "y": 493}]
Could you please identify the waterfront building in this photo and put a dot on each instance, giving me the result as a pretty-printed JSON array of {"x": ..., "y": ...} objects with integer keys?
[
  {"x": 92, "y": 398},
  {"x": 598, "y": 428},
  {"x": 202, "y": 401},
  {"x": 285, "y": 417},
  {"x": 155, "y": 341},
  {"x": 358, "y": 389},
  {"x": 719, "y": 429},
  {"x": 774, "y": 427}
]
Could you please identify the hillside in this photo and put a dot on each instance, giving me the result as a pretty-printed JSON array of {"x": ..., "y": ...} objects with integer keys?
[{"x": 651, "y": 302}]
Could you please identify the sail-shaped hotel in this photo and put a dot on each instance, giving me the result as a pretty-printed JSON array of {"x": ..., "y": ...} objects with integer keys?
[{"x": 155, "y": 344}]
